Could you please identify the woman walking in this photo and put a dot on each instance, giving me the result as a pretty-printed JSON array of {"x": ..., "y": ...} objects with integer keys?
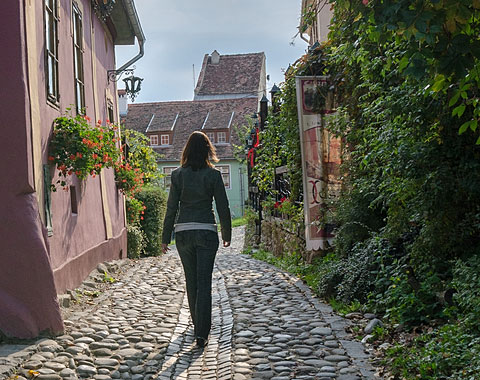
[{"x": 194, "y": 185}]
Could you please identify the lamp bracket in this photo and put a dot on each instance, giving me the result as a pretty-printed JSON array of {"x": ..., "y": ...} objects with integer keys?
[
  {"x": 115, "y": 75},
  {"x": 103, "y": 8}
]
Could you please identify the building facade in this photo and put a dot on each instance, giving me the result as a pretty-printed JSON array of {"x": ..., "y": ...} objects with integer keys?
[{"x": 59, "y": 53}]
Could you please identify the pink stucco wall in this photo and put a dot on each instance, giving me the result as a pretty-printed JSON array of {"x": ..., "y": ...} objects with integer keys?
[
  {"x": 34, "y": 267},
  {"x": 77, "y": 235},
  {"x": 28, "y": 302}
]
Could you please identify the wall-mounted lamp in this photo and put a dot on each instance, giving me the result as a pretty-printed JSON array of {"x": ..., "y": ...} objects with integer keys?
[
  {"x": 133, "y": 86},
  {"x": 103, "y": 8}
]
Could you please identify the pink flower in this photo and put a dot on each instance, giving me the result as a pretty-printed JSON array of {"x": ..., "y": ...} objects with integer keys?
[{"x": 365, "y": 2}]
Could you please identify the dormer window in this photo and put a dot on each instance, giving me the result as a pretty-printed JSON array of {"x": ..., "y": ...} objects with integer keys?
[
  {"x": 211, "y": 136},
  {"x": 221, "y": 137},
  {"x": 165, "y": 139},
  {"x": 153, "y": 140}
]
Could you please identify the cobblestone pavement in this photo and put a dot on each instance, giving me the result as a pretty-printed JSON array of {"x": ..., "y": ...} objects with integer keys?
[{"x": 265, "y": 325}]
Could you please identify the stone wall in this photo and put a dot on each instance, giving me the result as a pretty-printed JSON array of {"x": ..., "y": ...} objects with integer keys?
[{"x": 279, "y": 238}]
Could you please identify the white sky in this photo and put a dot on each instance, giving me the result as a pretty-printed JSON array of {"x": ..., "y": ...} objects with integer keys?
[{"x": 180, "y": 32}]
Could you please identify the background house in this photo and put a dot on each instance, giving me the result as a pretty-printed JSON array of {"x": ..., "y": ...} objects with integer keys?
[
  {"x": 232, "y": 76},
  {"x": 58, "y": 53},
  {"x": 228, "y": 92}
]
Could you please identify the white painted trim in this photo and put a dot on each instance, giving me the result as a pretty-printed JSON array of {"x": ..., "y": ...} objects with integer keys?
[
  {"x": 231, "y": 119},
  {"x": 174, "y": 122},
  {"x": 205, "y": 122},
  {"x": 150, "y": 122}
]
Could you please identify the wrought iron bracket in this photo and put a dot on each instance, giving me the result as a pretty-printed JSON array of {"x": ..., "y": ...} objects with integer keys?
[
  {"x": 103, "y": 8},
  {"x": 115, "y": 75}
]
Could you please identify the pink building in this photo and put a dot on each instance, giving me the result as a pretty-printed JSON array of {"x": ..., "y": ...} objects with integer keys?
[{"x": 55, "y": 54}]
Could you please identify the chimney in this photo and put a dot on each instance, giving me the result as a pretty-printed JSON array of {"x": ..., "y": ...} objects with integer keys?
[
  {"x": 122, "y": 103},
  {"x": 215, "y": 57}
]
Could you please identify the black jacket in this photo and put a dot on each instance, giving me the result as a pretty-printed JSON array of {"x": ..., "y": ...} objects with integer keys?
[{"x": 191, "y": 195}]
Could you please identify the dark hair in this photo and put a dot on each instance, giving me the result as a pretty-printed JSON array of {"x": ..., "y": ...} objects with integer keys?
[{"x": 198, "y": 152}]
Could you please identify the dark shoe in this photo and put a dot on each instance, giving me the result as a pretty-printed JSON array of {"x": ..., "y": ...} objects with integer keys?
[{"x": 201, "y": 342}]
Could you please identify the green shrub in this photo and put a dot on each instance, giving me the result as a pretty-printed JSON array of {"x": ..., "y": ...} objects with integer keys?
[
  {"x": 466, "y": 282},
  {"x": 448, "y": 352},
  {"x": 352, "y": 278},
  {"x": 136, "y": 241},
  {"x": 155, "y": 201}
]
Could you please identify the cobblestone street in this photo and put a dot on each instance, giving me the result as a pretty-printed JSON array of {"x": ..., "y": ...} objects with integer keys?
[{"x": 266, "y": 325}]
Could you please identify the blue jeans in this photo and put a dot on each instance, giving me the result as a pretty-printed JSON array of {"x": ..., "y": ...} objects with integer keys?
[{"x": 197, "y": 250}]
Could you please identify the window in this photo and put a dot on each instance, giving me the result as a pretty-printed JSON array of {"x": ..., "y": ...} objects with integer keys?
[
  {"x": 225, "y": 170},
  {"x": 110, "y": 113},
  {"x": 164, "y": 139},
  {"x": 211, "y": 136},
  {"x": 73, "y": 200},
  {"x": 47, "y": 180},
  {"x": 51, "y": 50},
  {"x": 221, "y": 137},
  {"x": 153, "y": 139},
  {"x": 78, "y": 59},
  {"x": 167, "y": 170}
]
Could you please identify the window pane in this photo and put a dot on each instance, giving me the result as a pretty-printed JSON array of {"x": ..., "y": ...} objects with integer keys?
[
  {"x": 51, "y": 49},
  {"x": 50, "y": 70},
  {"x": 78, "y": 60}
]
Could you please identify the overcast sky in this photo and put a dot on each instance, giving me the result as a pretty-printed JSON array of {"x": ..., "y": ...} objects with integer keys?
[{"x": 180, "y": 32}]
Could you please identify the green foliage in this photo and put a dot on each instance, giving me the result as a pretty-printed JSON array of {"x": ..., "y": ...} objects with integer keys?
[
  {"x": 448, "y": 352},
  {"x": 350, "y": 278},
  {"x": 135, "y": 210},
  {"x": 280, "y": 143},
  {"x": 466, "y": 282},
  {"x": 136, "y": 241},
  {"x": 155, "y": 200},
  {"x": 139, "y": 166},
  {"x": 290, "y": 262},
  {"x": 239, "y": 222},
  {"x": 141, "y": 156}
]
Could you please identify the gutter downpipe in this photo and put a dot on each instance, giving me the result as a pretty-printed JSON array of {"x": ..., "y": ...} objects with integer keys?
[
  {"x": 137, "y": 28},
  {"x": 304, "y": 7}
]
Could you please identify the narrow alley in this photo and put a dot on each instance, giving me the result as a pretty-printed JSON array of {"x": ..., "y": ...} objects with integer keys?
[{"x": 266, "y": 325}]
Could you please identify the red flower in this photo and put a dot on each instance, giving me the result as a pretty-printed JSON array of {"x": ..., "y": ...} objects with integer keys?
[
  {"x": 51, "y": 158},
  {"x": 365, "y": 2},
  {"x": 72, "y": 156},
  {"x": 277, "y": 204}
]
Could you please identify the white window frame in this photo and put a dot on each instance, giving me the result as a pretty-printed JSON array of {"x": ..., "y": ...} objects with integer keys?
[
  {"x": 211, "y": 136},
  {"x": 162, "y": 139},
  {"x": 228, "y": 172},
  {"x": 152, "y": 139},
  {"x": 222, "y": 136},
  {"x": 167, "y": 179}
]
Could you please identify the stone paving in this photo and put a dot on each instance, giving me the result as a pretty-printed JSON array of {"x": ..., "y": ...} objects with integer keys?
[{"x": 265, "y": 325}]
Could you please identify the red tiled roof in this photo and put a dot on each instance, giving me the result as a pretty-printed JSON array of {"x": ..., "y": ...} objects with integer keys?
[
  {"x": 233, "y": 74},
  {"x": 161, "y": 116}
]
